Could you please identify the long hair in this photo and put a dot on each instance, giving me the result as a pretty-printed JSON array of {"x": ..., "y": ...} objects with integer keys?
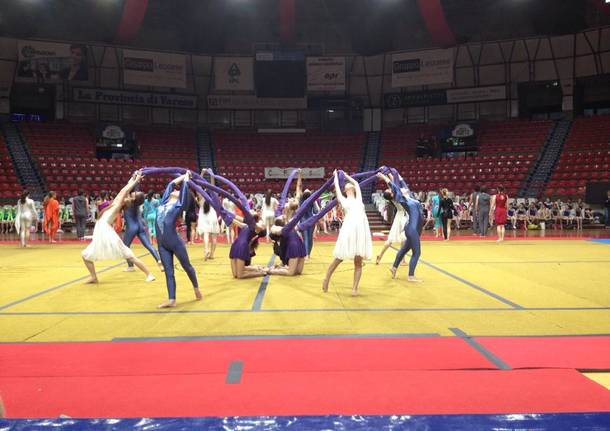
[
  {"x": 206, "y": 207},
  {"x": 150, "y": 195},
  {"x": 49, "y": 195},
  {"x": 23, "y": 196},
  {"x": 444, "y": 193},
  {"x": 268, "y": 197}
]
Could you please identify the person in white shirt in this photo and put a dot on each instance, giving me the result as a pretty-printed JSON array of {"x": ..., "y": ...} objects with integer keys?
[{"x": 26, "y": 216}]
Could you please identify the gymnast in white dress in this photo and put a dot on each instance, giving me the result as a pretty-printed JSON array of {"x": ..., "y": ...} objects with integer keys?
[
  {"x": 354, "y": 240},
  {"x": 106, "y": 243}
]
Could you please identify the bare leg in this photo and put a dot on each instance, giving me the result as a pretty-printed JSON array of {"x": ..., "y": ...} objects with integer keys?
[
  {"x": 357, "y": 274},
  {"x": 386, "y": 245},
  {"x": 91, "y": 267},
  {"x": 243, "y": 271},
  {"x": 213, "y": 246},
  {"x": 329, "y": 272},
  {"x": 206, "y": 245},
  {"x": 290, "y": 270},
  {"x": 137, "y": 262}
]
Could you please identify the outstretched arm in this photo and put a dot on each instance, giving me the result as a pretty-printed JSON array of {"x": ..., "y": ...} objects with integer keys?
[
  {"x": 356, "y": 186},
  {"x": 133, "y": 181},
  {"x": 299, "y": 185},
  {"x": 285, "y": 190}
]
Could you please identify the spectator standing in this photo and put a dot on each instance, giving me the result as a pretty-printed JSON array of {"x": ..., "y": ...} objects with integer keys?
[
  {"x": 80, "y": 213},
  {"x": 482, "y": 207}
]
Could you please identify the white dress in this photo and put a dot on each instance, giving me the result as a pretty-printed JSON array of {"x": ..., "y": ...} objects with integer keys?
[
  {"x": 25, "y": 215},
  {"x": 355, "y": 235},
  {"x": 397, "y": 231},
  {"x": 269, "y": 211},
  {"x": 106, "y": 243},
  {"x": 207, "y": 223}
]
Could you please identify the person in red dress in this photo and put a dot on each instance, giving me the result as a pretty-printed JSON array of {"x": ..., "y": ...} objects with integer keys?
[{"x": 498, "y": 209}]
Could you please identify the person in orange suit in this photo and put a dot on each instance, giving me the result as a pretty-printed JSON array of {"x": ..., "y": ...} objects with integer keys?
[
  {"x": 51, "y": 215},
  {"x": 118, "y": 223}
]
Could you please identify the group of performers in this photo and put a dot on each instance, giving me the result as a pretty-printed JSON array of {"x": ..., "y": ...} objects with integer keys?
[{"x": 289, "y": 222}]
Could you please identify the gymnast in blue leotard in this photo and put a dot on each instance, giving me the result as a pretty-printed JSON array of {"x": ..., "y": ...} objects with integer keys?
[
  {"x": 412, "y": 229},
  {"x": 169, "y": 241},
  {"x": 134, "y": 226}
]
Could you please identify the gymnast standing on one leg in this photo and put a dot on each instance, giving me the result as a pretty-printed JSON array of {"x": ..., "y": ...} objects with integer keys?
[
  {"x": 412, "y": 228},
  {"x": 134, "y": 226},
  {"x": 106, "y": 243},
  {"x": 169, "y": 241},
  {"x": 354, "y": 240}
]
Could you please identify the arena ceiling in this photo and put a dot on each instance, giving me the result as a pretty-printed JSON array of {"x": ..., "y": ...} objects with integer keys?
[{"x": 337, "y": 26}]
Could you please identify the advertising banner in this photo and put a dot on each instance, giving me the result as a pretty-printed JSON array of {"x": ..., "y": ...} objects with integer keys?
[
  {"x": 422, "y": 68},
  {"x": 283, "y": 173},
  {"x": 158, "y": 69},
  {"x": 234, "y": 73},
  {"x": 418, "y": 98},
  {"x": 46, "y": 62},
  {"x": 326, "y": 73},
  {"x": 253, "y": 102},
  {"x": 140, "y": 98},
  {"x": 476, "y": 94}
]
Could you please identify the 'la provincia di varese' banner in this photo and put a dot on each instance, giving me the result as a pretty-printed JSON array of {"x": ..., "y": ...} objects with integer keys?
[
  {"x": 140, "y": 98},
  {"x": 51, "y": 62},
  {"x": 283, "y": 173},
  {"x": 157, "y": 69},
  {"x": 422, "y": 68},
  {"x": 234, "y": 73},
  {"x": 326, "y": 73}
]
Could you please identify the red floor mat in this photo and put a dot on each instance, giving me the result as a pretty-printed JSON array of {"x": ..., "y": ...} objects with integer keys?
[
  {"x": 201, "y": 357},
  {"x": 589, "y": 353},
  {"x": 306, "y": 393}
]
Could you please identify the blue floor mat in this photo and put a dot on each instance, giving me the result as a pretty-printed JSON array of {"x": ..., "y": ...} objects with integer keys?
[{"x": 561, "y": 421}]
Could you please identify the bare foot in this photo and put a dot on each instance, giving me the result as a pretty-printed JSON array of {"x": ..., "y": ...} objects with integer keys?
[
  {"x": 198, "y": 296},
  {"x": 91, "y": 280},
  {"x": 377, "y": 260},
  {"x": 393, "y": 271},
  {"x": 160, "y": 265},
  {"x": 354, "y": 293},
  {"x": 129, "y": 269},
  {"x": 207, "y": 256},
  {"x": 150, "y": 277},
  {"x": 325, "y": 285},
  {"x": 169, "y": 304},
  {"x": 412, "y": 279}
]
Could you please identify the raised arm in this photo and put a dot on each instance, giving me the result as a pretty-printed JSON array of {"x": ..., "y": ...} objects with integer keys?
[
  {"x": 133, "y": 181},
  {"x": 356, "y": 186},
  {"x": 299, "y": 185},
  {"x": 284, "y": 195}
]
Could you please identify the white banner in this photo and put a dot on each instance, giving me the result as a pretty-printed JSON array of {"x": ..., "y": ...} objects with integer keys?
[
  {"x": 253, "y": 102},
  {"x": 326, "y": 73},
  {"x": 283, "y": 173},
  {"x": 158, "y": 69},
  {"x": 51, "y": 62},
  {"x": 422, "y": 68},
  {"x": 476, "y": 94},
  {"x": 141, "y": 98},
  {"x": 234, "y": 73}
]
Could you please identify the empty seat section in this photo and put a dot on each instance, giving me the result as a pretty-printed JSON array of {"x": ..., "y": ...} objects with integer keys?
[
  {"x": 9, "y": 184},
  {"x": 585, "y": 158},
  {"x": 243, "y": 156}
]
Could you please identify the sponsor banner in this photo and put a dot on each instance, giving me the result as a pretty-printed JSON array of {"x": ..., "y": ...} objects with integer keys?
[
  {"x": 141, "y": 98},
  {"x": 158, "y": 69},
  {"x": 46, "y": 62},
  {"x": 476, "y": 94},
  {"x": 234, "y": 73},
  {"x": 326, "y": 73},
  {"x": 422, "y": 68},
  {"x": 283, "y": 173},
  {"x": 253, "y": 102},
  {"x": 418, "y": 98}
]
